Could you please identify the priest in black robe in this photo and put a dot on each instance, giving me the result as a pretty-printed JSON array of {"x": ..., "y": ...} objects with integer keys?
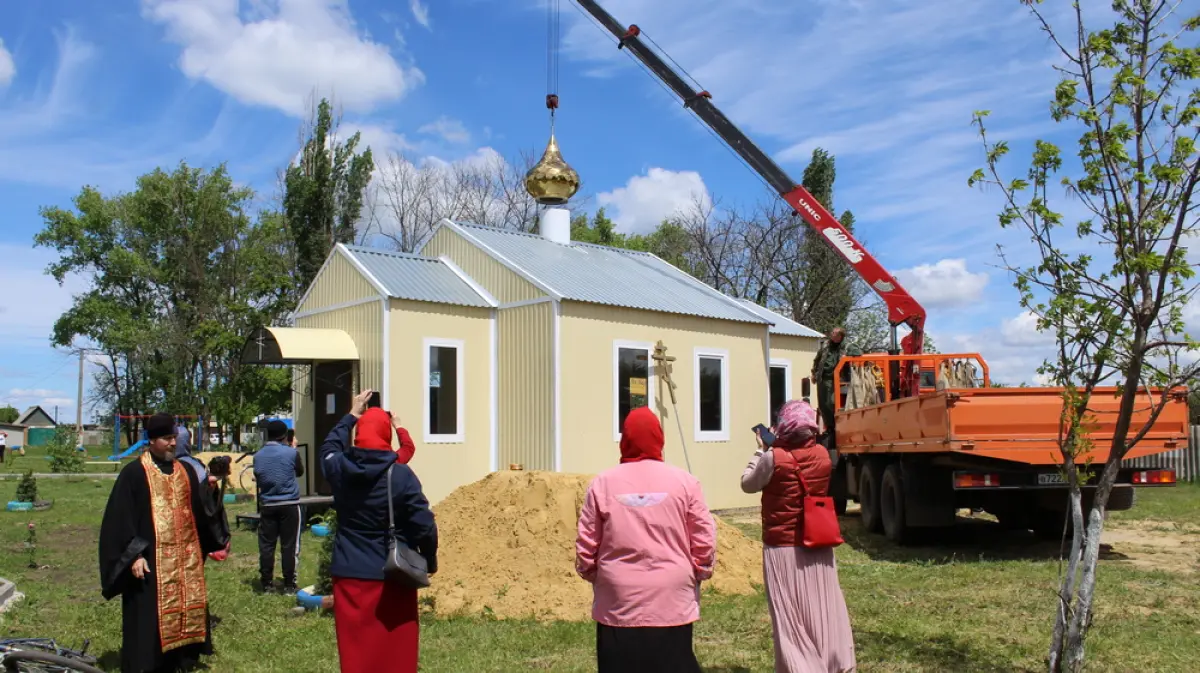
[{"x": 156, "y": 533}]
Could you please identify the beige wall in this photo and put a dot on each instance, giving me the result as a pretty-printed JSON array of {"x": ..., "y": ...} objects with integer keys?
[
  {"x": 587, "y": 336},
  {"x": 339, "y": 282},
  {"x": 505, "y": 285},
  {"x": 442, "y": 467},
  {"x": 799, "y": 352},
  {"x": 526, "y": 386}
]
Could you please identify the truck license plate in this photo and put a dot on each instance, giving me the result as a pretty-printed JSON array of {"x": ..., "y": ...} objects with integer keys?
[{"x": 1051, "y": 478}]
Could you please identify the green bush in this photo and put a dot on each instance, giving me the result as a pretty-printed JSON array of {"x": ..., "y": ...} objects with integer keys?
[
  {"x": 27, "y": 488},
  {"x": 64, "y": 453},
  {"x": 324, "y": 585}
]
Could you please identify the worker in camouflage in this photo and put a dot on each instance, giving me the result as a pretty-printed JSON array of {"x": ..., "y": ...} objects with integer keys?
[{"x": 831, "y": 352}]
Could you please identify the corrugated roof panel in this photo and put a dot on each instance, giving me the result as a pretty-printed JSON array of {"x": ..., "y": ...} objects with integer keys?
[
  {"x": 417, "y": 278},
  {"x": 782, "y": 325},
  {"x": 602, "y": 275}
]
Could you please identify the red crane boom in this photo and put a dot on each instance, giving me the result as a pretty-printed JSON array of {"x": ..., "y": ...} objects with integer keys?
[{"x": 902, "y": 307}]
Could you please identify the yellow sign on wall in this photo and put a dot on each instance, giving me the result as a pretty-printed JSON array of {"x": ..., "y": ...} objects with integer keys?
[{"x": 637, "y": 386}]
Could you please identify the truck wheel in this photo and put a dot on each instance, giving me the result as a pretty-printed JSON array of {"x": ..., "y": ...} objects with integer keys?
[
  {"x": 868, "y": 497},
  {"x": 891, "y": 505}
]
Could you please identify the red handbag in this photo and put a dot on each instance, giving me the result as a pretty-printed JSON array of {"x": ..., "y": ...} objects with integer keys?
[{"x": 821, "y": 527}]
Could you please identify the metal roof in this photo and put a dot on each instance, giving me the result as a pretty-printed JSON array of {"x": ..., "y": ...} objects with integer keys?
[
  {"x": 405, "y": 276},
  {"x": 602, "y": 275},
  {"x": 780, "y": 324}
]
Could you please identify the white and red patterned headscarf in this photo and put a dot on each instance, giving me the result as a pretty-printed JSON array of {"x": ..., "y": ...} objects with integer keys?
[{"x": 796, "y": 426}]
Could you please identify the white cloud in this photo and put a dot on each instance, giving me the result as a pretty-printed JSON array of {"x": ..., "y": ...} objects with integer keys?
[
  {"x": 943, "y": 284},
  {"x": 278, "y": 52},
  {"x": 420, "y": 12},
  {"x": 8, "y": 69},
  {"x": 1022, "y": 331},
  {"x": 450, "y": 130},
  {"x": 646, "y": 200}
]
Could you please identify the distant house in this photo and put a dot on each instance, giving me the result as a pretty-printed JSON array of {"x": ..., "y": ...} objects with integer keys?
[
  {"x": 36, "y": 417},
  {"x": 498, "y": 348}
]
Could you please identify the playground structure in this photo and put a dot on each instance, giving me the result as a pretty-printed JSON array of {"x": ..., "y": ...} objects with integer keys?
[{"x": 118, "y": 454}]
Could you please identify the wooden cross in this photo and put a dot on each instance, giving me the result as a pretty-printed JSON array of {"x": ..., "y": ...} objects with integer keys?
[{"x": 664, "y": 363}]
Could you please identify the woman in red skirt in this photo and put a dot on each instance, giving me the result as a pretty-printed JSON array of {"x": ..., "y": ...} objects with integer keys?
[{"x": 377, "y": 626}]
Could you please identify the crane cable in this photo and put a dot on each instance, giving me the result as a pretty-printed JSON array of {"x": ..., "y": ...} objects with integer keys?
[{"x": 553, "y": 33}]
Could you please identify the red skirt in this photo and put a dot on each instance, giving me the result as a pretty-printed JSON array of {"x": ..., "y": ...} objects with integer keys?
[{"x": 377, "y": 626}]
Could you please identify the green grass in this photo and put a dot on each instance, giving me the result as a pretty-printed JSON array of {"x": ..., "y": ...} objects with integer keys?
[{"x": 975, "y": 600}]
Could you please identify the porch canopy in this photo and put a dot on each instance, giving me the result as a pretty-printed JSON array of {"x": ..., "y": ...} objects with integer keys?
[{"x": 297, "y": 346}]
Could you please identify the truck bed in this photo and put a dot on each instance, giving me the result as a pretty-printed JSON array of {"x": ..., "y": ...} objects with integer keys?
[{"x": 1011, "y": 424}]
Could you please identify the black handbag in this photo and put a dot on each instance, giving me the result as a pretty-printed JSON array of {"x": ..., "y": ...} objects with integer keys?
[{"x": 403, "y": 564}]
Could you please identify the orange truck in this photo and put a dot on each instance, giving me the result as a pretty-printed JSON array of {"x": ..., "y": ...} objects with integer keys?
[{"x": 914, "y": 461}]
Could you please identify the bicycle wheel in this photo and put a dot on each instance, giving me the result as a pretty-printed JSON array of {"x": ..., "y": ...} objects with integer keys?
[
  {"x": 246, "y": 478},
  {"x": 31, "y": 661}
]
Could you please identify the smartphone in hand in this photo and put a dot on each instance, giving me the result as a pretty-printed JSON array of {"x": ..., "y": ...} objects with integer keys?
[
  {"x": 374, "y": 401},
  {"x": 767, "y": 438}
]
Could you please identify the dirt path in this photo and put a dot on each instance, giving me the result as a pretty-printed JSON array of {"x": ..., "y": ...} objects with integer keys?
[{"x": 1153, "y": 545}]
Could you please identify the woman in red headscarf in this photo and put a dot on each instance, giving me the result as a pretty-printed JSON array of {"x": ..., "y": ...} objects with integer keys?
[
  {"x": 376, "y": 621},
  {"x": 646, "y": 541},
  {"x": 809, "y": 621}
]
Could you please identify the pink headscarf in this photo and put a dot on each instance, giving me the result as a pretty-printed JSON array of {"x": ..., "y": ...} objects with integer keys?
[{"x": 796, "y": 427}]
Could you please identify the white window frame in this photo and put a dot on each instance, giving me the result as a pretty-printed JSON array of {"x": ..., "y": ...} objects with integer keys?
[
  {"x": 786, "y": 365},
  {"x": 618, "y": 344},
  {"x": 460, "y": 382},
  {"x": 721, "y": 435}
]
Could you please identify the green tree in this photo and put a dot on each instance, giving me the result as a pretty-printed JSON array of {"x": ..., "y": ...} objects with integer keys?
[
  {"x": 8, "y": 414},
  {"x": 64, "y": 453},
  {"x": 823, "y": 287},
  {"x": 324, "y": 192},
  {"x": 179, "y": 273},
  {"x": 27, "y": 490},
  {"x": 1112, "y": 288}
]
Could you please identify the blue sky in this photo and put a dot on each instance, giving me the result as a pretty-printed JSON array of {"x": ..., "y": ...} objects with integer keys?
[{"x": 98, "y": 93}]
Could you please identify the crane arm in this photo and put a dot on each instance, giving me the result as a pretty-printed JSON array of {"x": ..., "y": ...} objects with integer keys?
[{"x": 902, "y": 307}]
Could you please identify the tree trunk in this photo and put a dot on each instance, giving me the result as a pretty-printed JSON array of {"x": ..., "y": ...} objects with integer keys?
[
  {"x": 1066, "y": 590},
  {"x": 1081, "y": 620}
]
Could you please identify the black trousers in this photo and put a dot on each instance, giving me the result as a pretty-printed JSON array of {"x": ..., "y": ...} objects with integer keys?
[
  {"x": 278, "y": 524},
  {"x": 666, "y": 649}
]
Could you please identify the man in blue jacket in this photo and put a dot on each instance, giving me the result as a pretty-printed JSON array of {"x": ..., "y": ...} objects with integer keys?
[{"x": 276, "y": 468}]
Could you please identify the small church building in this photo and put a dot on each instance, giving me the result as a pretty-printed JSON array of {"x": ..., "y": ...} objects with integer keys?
[{"x": 504, "y": 350}]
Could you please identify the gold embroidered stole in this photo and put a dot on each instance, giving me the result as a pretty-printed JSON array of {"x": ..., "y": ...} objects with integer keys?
[{"x": 178, "y": 560}]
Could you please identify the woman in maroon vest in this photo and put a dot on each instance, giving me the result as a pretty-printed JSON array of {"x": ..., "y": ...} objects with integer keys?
[{"x": 809, "y": 621}]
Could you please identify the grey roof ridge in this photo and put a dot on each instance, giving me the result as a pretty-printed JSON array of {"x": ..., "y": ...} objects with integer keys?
[
  {"x": 355, "y": 249},
  {"x": 680, "y": 276},
  {"x": 488, "y": 250},
  {"x": 751, "y": 302},
  {"x": 689, "y": 279}
]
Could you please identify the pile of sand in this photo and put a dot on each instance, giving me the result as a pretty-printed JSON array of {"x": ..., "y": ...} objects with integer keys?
[{"x": 507, "y": 549}]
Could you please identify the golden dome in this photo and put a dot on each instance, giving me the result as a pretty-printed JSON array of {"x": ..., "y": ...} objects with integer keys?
[{"x": 551, "y": 181}]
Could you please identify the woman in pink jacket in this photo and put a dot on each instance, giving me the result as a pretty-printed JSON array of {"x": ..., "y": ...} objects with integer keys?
[{"x": 646, "y": 541}]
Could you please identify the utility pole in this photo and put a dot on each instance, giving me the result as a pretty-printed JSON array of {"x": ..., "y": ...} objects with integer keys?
[{"x": 79, "y": 403}]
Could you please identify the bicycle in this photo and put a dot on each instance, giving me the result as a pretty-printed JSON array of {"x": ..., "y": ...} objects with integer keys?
[
  {"x": 44, "y": 655},
  {"x": 246, "y": 475}
]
